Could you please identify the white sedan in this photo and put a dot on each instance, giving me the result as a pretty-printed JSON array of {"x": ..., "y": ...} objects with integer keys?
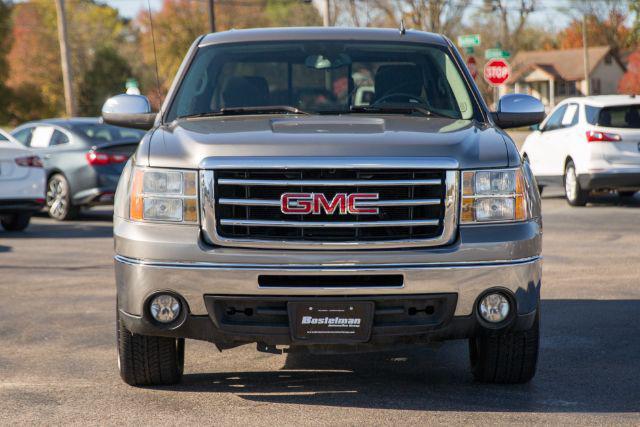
[
  {"x": 590, "y": 143},
  {"x": 22, "y": 184}
]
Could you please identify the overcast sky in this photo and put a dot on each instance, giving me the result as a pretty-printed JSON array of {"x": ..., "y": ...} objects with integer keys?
[{"x": 548, "y": 15}]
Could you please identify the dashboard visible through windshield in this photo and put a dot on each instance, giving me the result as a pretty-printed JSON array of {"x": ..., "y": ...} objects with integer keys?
[{"x": 322, "y": 77}]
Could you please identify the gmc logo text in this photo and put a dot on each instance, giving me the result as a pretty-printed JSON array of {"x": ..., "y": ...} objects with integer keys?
[{"x": 317, "y": 203}]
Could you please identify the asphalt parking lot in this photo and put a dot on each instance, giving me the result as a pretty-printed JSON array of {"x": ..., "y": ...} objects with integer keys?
[{"x": 58, "y": 360}]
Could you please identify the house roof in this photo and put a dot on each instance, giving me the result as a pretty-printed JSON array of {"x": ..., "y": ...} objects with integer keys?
[{"x": 566, "y": 64}]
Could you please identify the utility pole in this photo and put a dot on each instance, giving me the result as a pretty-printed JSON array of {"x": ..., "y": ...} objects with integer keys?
[
  {"x": 65, "y": 57},
  {"x": 326, "y": 13},
  {"x": 212, "y": 16},
  {"x": 585, "y": 56}
]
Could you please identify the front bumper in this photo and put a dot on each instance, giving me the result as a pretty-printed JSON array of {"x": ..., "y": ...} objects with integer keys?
[
  {"x": 610, "y": 180},
  {"x": 208, "y": 289}
]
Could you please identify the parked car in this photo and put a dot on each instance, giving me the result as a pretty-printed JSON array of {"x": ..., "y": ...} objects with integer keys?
[
  {"x": 22, "y": 184},
  {"x": 586, "y": 144},
  {"x": 336, "y": 228},
  {"x": 83, "y": 159}
]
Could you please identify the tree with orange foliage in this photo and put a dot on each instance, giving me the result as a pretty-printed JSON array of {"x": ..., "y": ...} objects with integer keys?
[
  {"x": 600, "y": 32},
  {"x": 630, "y": 81}
]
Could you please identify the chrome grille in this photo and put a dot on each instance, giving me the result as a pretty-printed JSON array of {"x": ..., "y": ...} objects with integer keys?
[{"x": 416, "y": 207}]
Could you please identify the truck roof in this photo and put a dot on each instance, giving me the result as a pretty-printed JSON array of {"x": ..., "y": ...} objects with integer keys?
[{"x": 321, "y": 33}]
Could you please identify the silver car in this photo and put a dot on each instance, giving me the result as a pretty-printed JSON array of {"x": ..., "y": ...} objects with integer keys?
[{"x": 269, "y": 204}]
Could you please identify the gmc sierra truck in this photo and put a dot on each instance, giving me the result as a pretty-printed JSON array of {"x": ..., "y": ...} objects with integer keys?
[{"x": 272, "y": 203}]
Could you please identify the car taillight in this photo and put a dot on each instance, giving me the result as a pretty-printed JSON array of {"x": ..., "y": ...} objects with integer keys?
[
  {"x": 29, "y": 161},
  {"x": 96, "y": 158},
  {"x": 597, "y": 136}
]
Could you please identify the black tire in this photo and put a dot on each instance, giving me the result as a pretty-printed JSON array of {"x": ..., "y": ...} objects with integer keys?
[
  {"x": 574, "y": 194},
  {"x": 626, "y": 194},
  {"x": 146, "y": 360},
  {"x": 58, "y": 197},
  {"x": 540, "y": 189},
  {"x": 506, "y": 358},
  {"x": 15, "y": 222}
]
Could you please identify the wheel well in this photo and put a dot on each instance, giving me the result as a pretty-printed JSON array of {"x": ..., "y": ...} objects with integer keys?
[
  {"x": 53, "y": 172},
  {"x": 567, "y": 160}
]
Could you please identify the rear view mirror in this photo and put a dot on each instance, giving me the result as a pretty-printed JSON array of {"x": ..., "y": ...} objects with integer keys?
[
  {"x": 321, "y": 62},
  {"x": 131, "y": 111},
  {"x": 517, "y": 110}
]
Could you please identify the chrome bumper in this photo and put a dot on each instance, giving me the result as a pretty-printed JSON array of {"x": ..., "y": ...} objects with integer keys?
[{"x": 137, "y": 279}]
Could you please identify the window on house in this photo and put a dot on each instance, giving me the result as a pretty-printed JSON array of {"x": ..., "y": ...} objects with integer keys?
[
  {"x": 608, "y": 59},
  {"x": 595, "y": 86}
]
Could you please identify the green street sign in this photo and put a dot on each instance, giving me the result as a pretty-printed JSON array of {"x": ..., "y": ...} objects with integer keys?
[
  {"x": 496, "y": 53},
  {"x": 469, "y": 40},
  {"x": 469, "y": 50}
]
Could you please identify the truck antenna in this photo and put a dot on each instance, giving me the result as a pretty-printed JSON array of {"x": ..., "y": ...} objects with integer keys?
[{"x": 403, "y": 29}]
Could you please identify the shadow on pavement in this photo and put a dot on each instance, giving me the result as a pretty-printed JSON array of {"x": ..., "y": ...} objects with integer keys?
[
  {"x": 5, "y": 248},
  {"x": 588, "y": 363}
]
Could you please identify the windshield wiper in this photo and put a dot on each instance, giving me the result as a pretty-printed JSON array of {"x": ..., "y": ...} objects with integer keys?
[
  {"x": 396, "y": 109},
  {"x": 233, "y": 111}
]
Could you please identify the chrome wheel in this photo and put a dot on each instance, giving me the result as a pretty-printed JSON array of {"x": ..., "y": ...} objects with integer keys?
[
  {"x": 576, "y": 196},
  {"x": 58, "y": 198},
  {"x": 570, "y": 183}
]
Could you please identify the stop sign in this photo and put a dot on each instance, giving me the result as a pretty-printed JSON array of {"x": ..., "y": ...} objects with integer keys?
[
  {"x": 471, "y": 65},
  {"x": 496, "y": 71}
]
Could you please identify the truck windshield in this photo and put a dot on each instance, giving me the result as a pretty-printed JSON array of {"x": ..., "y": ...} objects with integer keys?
[{"x": 327, "y": 77}]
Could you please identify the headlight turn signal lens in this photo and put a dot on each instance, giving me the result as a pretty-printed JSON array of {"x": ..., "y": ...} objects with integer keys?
[
  {"x": 164, "y": 195},
  {"x": 493, "y": 196}
]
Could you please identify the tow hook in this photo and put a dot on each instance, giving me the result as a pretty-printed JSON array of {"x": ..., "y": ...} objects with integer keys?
[{"x": 267, "y": 348}]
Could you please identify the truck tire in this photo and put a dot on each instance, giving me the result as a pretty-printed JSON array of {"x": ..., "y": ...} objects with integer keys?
[
  {"x": 575, "y": 195},
  {"x": 506, "y": 358},
  {"x": 15, "y": 222},
  {"x": 146, "y": 360}
]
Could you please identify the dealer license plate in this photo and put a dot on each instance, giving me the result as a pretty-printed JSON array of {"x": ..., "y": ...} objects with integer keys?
[{"x": 331, "y": 322}]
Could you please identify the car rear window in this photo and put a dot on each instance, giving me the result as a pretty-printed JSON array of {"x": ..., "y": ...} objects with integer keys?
[
  {"x": 621, "y": 116},
  {"x": 101, "y": 134}
]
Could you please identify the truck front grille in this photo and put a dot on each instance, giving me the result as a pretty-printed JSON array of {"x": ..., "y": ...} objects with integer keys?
[{"x": 413, "y": 208}]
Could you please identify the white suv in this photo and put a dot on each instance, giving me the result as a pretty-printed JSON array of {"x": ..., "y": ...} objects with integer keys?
[{"x": 590, "y": 143}]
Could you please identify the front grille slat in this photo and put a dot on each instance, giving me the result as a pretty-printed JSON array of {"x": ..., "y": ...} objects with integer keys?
[
  {"x": 336, "y": 224},
  {"x": 328, "y": 183},
  {"x": 376, "y": 203},
  {"x": 414, "y": 205}
]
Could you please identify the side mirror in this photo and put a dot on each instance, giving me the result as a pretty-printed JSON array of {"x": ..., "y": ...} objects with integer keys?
[
  {"x": 517, "y": 110},
  {"x": 131, "y": 111}
]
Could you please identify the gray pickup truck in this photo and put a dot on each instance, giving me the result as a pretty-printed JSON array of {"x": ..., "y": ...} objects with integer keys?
[{"x": 324, "y": 190}]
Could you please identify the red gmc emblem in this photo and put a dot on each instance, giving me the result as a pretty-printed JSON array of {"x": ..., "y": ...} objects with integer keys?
[{"x": 317, "y": 203}]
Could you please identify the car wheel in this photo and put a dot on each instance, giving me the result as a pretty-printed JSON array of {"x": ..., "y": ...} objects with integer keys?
[
  {"x": 626, "y": 194},
  {"x": 15, "y": 222},
  {"x": 59, "y": 199},
  {"x": 508, "y": 357},
  {"x": 575, "y": 195},
  {"x": 146, "y": 360}
]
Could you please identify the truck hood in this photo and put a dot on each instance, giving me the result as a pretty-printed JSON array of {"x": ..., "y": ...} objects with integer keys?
[{"x": 187, "y": 143}]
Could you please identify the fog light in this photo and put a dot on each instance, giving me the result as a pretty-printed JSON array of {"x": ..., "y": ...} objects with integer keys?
[
  {"x": 165, "y": 308},
  {"x": 494, "y": 308}
]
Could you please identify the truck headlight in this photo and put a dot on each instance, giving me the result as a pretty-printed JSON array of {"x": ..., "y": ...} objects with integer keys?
[
  {"x": 163, "y": 195},
  {"x": 497, "y": 195}
]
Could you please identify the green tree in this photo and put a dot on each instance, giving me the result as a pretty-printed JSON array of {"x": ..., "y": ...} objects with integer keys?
[{"x": 105, "y": 77}]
